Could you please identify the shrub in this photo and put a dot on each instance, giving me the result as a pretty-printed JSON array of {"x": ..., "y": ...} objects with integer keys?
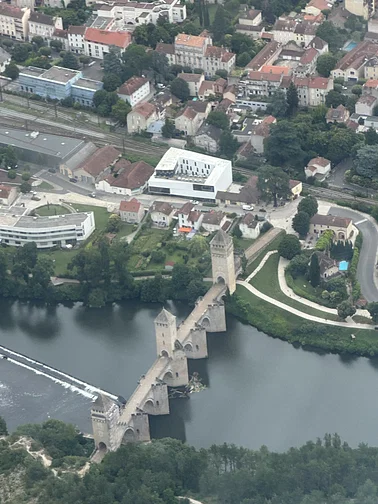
[{"x": 289, "y": 246}]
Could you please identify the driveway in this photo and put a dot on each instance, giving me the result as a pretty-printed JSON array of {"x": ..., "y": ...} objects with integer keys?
[{"x": 366, "y": 271}]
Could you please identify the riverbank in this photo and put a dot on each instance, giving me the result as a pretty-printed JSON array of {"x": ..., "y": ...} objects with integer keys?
[{"x": 286, "y": 326}]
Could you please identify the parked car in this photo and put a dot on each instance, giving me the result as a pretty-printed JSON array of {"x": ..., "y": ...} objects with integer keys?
[
  {"x": 71, "y": 179},
  {"x": 247, "y": 207},
  {"x": 93, "y": 195}
]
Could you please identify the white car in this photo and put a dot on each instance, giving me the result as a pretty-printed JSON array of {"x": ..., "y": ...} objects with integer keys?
[{"x": 247, "y": 207}]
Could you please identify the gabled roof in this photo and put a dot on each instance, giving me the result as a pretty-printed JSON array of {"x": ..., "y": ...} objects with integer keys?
[
  {"x": 5, "y": 191},
  {"x": 165, "y": 48},
  {"x": 264, "y": 55},
  {"x": 190, "y": 77},
  {"x": 144, "y": 109},
  {"x": 76, "y": 30},
  {"x": 119, "y": 38},
  {"x": 318, "y": 43},
  {"x": 130, "y": 175},
  {"x": 39, "y": 17},
  {"x": 330, "y": 220},
  {"x": 132, "y": 85},
  {"x": 100, "y": 160},
  {"x": 319, "y": 161},
  {"x": 132, "y": 206},
  {"x": 186, "y": 208},
  {"x": 213, "y": 217},
  {"x": 162, "y": 207},
  {"x": 190, "y": 40},
  {"x": 211, "y": 131},
  {"x": 10, "y": 11}
]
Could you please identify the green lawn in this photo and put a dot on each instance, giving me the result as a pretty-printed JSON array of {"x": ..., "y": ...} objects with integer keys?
[
  {"x": 125, "y": 230},
  {"x": 101, "y": 214},
  {"x": 45, "y": 185},
  {"x": 272, "y": 246},
  {"x": 48, "y": 210},
  {"x": 266, "y": 281},
  {"x": 242, "y": 243},
  {"x": 284, "y": 325},
  {"x": 61, "y": 258},
  {"x": 303, "y": 288}
]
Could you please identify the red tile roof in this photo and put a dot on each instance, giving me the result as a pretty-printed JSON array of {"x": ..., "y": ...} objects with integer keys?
[
  {"x": 10, "y": 11},
  {"x": 264, "y": 55},
  {"x": 144, "y": 109},
  {"x": 100, "y": 160},
  {"x": 130, "y": 175},
  {"x": 5, "y": 191},
  {"x": 130, "y": 206},
  {"x": 130, "y": 86},
  {"x": 118, "y": 39}
]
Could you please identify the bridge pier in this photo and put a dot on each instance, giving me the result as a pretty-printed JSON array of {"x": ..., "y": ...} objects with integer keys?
[
  {"x": 215, "y": 318},
  {"x": 195, "y": 345},
  {"x": 157, "y": 402}
]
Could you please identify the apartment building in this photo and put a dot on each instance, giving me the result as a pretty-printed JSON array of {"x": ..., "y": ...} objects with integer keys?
[
  {"x": 14, "y": 21},
  {"x": 193, "y": 80},
  {"x": 264, "y": 83},
  {"x": 140, "y": 118},
  {"x": 312, "y": 90},
  {"x": 42, "y": 25},
  {"x": 351, "y": 66},
  {"x": 267, "y": 56},
  {"x": 250, "y": 24},
  {"x": 283, "y": 30},
  {"x": 76, "y": 39},
  {"x": 363, "y": 8},
  {"x": 98, "y": 42},
  {"x": 198, "y": 52},
  {"x": 134, "y": 90}
]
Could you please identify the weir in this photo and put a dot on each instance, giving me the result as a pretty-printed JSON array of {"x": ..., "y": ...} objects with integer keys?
[{"x": 114, "y": 423}]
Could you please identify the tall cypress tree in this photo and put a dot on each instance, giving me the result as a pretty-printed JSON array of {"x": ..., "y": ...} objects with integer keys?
[
  {"x": 206, "y": 16},
  {"x": 292, "y": 99},
  {"x": 219, "y": 24},
  {"x": 314, "y": 271}
]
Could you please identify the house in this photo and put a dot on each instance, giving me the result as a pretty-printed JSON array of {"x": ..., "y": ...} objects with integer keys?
[
  {"x": 208, "y": 137},
  {"x": 75, "y": 36},
  {"x": 188, "y": 217},
  {"x": 307, "y": 63},
  {"x": 249, "y": 227},
  {"x": 370, "y": 87},
  {"x": 99, "y": 162},
  {"x": 365, "y": 105},
  {"x": 142, "y": 115},
  {"x": 361, "y": 8},
  {"x": 263, "y": 83},
  {"x": 319, "y": 44},
  {"x": 191, "y": 118},
  {"x": 249, "y": 194},
  {"x": 371, "y": 68},
  {"x": 162, "y": 213},
  {"x": 341, "y": 226},
  {"x": 212, "y": 88},
  {"x": 261, "y": 132},
  {"x": 5, "y": 59},
  {"x": 126, "y": 178},
  {"x": 14, "y": 21},
  {"x": 296, "y": 188},
  {"x": 98, "y": 42},
  {"x": 250, "y": 24},
  {"x": 62, "y": 37},
  {"x": 42, "y": 25},
  {"x": 328, "y": 267},
  {"x": 134, "y": 90},
  {"x": 193, "y": 80},
  {"x": 305, "y": 32},
  {"x": 351, "y": 66},
  {"x": 318, "y": 167},
  {"x": 283, "y": 30},
  {"x": 213, "y": 221},
  {"x": 131, "y": 211},
  {"x": 315, "y": 7},
  {"x": 340, "y": 114},
  {"x": 312, "y": 91},
  {"x": 7, "y": 194},
  {"x": 190, "y": 175}
]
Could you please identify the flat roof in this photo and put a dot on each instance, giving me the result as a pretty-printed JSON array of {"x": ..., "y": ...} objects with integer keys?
[
  {"x": 60, "y": 74},
  {"x": 70, "y": 219},
  {"x": 88, "y": 84},
  {"x": 101, "y": 22},
  {"x": 33, "y": 71},
  {"x": 53, "y": 145}
]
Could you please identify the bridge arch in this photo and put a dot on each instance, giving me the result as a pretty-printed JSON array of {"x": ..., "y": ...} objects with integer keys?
[
  {"x": 221, "y": 280},
  {"x": 188, "y": 347},
  {"x": 164, "y": 353},
  {"x": 129, "y": 436},
  {"x": 205, "y": 322},
  {"x": 102, "y": 447},
  {"x": 168, "y": 376},
  {"x": 149, "y": 406}
]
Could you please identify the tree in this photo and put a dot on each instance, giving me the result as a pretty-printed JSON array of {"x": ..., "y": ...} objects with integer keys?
[
  {"x": 135, "y": 61},
  {"x": 289, "y": 246},
  {"x": 328, "y": 32},
  {"x": 198, "y": 246},
  {"x": 70, "y": 61},
  {"x": 357, "y": 90},
  {"x": 273, "y": 183},
  {"x": 21, "y": 52},
  {"x": 218, "y": 119},
  {"x": 220, "y": 24},
  {"x": 44, "y": 51},
  {"x": 292, "y": 99},
  {"x": 298, "y": 266},
  {"x": 301, "y": 223},
  {"x": 314, "y": 271},
  {"x": 366, "y": 161},
  {"x": 334, "y": 99},
  {"x": 25, "y": 187},
  {"x": 221, "y": 73},
  {"x": 283, "y": 146},
  {"x": 308, "y": 205},
  {"x": 38, "y": 41},
  {"x": 114, "y": 224},
  {"x": 325, "y": 63},
  {"x": 345, "y": 309},
  {"x": 11, "y": 71},
  {"x": 168, "y": 129},
  {"x": 10, "y": 158},
  {"x": 3, "y": 427},
  {"x": 56, "y": 44},
  {"x": 120, "y": 111},
  {"x": 12, "y": 174},
  {"x": 371, "y": 137},
  {"x": 343, "y": 143},
  {"x": 180, "y": 89},
  {"x": 372, "y": 308},
  {"x": 84, "y": 59},
  {"x": 228, "y": 144},
  {"x": 243, "y": 59},
  {"x": 112, "y": 63},
  {"x": 278, "y": 105},
  {"x": 25, "y": 176}
]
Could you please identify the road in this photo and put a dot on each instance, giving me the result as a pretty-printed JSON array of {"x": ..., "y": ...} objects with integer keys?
[{"x": 368, "y": 256}]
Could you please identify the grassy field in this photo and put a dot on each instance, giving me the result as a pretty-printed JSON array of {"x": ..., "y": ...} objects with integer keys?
[
  {"x": 48, "y": 210},
  {"x": 303, "y": 288},
  {"x": 242, "y": 243},
  {"x": 266, "y": 281},
  {"x": 281, "y": 324},
  {"x": 101, "y": 214},
  {"x": 272, "y": 246},
  {"x": 45, "y": 185},
  {"x": 147, "y": 241}
]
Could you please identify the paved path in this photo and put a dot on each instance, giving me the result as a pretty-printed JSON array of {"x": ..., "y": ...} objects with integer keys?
[
  {"x": 252, "y": 252},
  {"x": 291, "y": 294},
  {"x": 261, "y": 265},
  {"x": 292, "y": 310}
]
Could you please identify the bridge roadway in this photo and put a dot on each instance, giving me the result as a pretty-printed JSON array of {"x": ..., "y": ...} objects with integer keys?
[{"x": 162, "y": 364}]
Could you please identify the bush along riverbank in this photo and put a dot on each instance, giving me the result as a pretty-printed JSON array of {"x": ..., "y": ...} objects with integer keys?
[{"x": 288, "y": 327}]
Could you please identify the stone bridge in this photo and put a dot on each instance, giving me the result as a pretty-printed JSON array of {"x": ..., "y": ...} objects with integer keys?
[{"x": 114, "y": 423}]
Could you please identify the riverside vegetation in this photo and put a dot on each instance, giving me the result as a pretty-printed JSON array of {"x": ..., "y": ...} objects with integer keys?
[{"x": 327, "y": 471}]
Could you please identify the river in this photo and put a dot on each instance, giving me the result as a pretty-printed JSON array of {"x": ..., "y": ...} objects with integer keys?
[{"x": 259, "y": 390}]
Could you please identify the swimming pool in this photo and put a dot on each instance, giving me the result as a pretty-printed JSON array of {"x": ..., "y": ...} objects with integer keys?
[{"x": 351, "y": 45}]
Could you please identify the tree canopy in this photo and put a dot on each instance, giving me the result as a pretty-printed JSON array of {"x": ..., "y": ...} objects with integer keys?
[
  {"x": 289, "y": 246},
  {"x": 180, "y": 89},
  {"x": 273, "y": 183}
]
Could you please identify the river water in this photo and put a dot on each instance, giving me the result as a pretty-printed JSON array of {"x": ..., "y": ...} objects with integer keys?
[{"x": 259, "y": 390}]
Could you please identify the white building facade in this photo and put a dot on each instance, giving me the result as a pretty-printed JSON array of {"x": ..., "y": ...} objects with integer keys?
[{"x": 190, "y": 175}]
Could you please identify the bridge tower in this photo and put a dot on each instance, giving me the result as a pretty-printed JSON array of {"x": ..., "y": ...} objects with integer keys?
[
  {"x": 105, "y": 414},
  {"x": 168, "y": 346},
  {"x": 222, "y": 260}
]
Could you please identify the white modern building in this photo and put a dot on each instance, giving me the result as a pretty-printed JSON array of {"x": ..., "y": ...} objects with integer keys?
[
  {"x": 46, "y": 232},
  {"x": 190, "y": 175}
]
